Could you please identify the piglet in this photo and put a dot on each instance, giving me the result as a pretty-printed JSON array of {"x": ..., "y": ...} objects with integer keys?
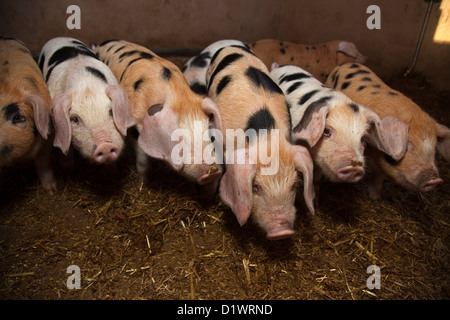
[
  {"x": 25, "y": 130},
  {"x": 89, "y": 110},
  {"x": 195, "y": 68},
  {"x": 317, "y": 59},
  {"x": 416, "y": 169},
  {"x": 261, "y": 178},
  {"x": 166, "y": 110},
  {"x": 335, "y": 127}
]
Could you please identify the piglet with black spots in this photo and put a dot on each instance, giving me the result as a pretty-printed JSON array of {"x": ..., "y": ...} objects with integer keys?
[
  {"x": 195, "y": 68},
  {"x": 415, "y": 169},
  {"x": 89, "y": 109},
  {"x": 261, "y": 178},
  {"x": 166, "y": 110},
  {"x": 335, "y": 127},
  {"x": 25, "y": 129}
]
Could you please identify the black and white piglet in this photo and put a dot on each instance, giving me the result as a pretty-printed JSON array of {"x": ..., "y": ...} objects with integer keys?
[{"x": 89, "y": 109}]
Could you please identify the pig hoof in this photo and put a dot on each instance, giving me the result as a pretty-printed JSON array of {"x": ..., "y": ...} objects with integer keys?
[
  {"x": 374, "y": 194},
  {"x": 281, "y": 233},
  {"x": 50, "y": 187}
]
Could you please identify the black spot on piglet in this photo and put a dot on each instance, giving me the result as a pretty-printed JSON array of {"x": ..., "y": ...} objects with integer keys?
[
  {"x": 97, "y": 73},
  {"x": 198, "y": 88},
  {"x": 137, "y": 84},
  {"x": 259, "y": 78},
  {"x": 261, "y": 119}
]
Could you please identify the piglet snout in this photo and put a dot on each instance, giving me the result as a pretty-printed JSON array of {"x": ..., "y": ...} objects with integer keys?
[
  {"x": 280, "y": 230},
  {"x": 106, "y": 152},
  {"x": 351, "y": 174},
  {"x": 428, "y": 181}
]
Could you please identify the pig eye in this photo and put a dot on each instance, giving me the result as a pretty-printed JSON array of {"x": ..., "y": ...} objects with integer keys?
[
  {"x": 18, "y": 118},
  {"x": 74, "y": 119},
  {"x": 110, "y": 113},
  {"x": 327, "y": 132},
  {"x": 256, "y": 189}
]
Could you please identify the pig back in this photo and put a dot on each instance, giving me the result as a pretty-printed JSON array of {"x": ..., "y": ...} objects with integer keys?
[
  {"x": 18, "y": 70},
  {"x": 147, "y": 78},
  {"x": 247, "y": 97}
]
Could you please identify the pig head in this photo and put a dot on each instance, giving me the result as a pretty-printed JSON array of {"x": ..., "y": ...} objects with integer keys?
[
  {"x": 415, "y": 168},
  {"x": 77, "y": 121},
  {"x": 245, "y": 190}
]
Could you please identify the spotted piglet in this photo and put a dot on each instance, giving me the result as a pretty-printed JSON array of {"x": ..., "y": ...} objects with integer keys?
[
  {"x": 317, "y": 59},
  {"x": 417, "y": 169},
  {"x": 195, "y": 68},
  {"x": 25, "y": 130},
  {"x": 89, "y": 110},
  {"x": 163, "y": 104},
  {"x": 335, "y": 127},
  {"x": 253, "y": 109}
]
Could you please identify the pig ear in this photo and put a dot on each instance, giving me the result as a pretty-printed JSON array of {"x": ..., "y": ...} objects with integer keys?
[
  {"x": 60, "y": 113},
  {"x": 349, "y": 49},
  {"x": 236, "y": 184},
  {"x": 311, "y": 126},
  {"x": 211, "y": 109},
  {"x": 443, "y": 142},
  {"x": 155, "y": 139},
  {"x": 303, "y": 163},
  {"x": 123, "y": 118},
  {"x": 389, "y": 135},
  {"x": 41, "y": 114},
  {"x": 274, "y": 66}
]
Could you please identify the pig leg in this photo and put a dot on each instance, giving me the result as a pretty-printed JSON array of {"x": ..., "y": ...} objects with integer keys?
[
  {"x": 375, "y": 182},
  {"x": 44, "y": 168}
]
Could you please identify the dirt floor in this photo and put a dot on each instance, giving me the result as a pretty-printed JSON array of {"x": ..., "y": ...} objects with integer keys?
[{"x": 163, "y": 241}]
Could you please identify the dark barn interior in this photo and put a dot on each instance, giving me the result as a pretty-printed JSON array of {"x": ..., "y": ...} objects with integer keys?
[{"x": 163, "y": 240}]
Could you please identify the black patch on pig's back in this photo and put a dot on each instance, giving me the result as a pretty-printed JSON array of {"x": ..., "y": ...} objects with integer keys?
[
  {"x": 309, "y": 111},
  {"x": 345, "y": 85},
  {"x": 198, "y": 88},
  {"x": 41, "y": 62},
  {"x": 97, "y": 73},
  {"x": 166, "y": 73},
  {"x": 226, "y": 61},
  {"x": 201, "y": 60},
  {"x": 142, "y": 55},
  {"x": 67, "y": 53},
  {"x": 137, "y": 84},
  {"x": 307, "y": 96},
  {"x": 106, "y": 42},
  {"x": 222, "y": 84},
  {"x": 259, "y": 78},
  {"x": 354, "y": 106},
  {"x": 262, "y": 119},
  {"x": 351, "y": 75},
  {"x": 294, "y": 76}
]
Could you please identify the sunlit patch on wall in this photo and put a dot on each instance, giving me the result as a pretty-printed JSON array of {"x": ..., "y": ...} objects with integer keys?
[{"x": 442, "y": 33}]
